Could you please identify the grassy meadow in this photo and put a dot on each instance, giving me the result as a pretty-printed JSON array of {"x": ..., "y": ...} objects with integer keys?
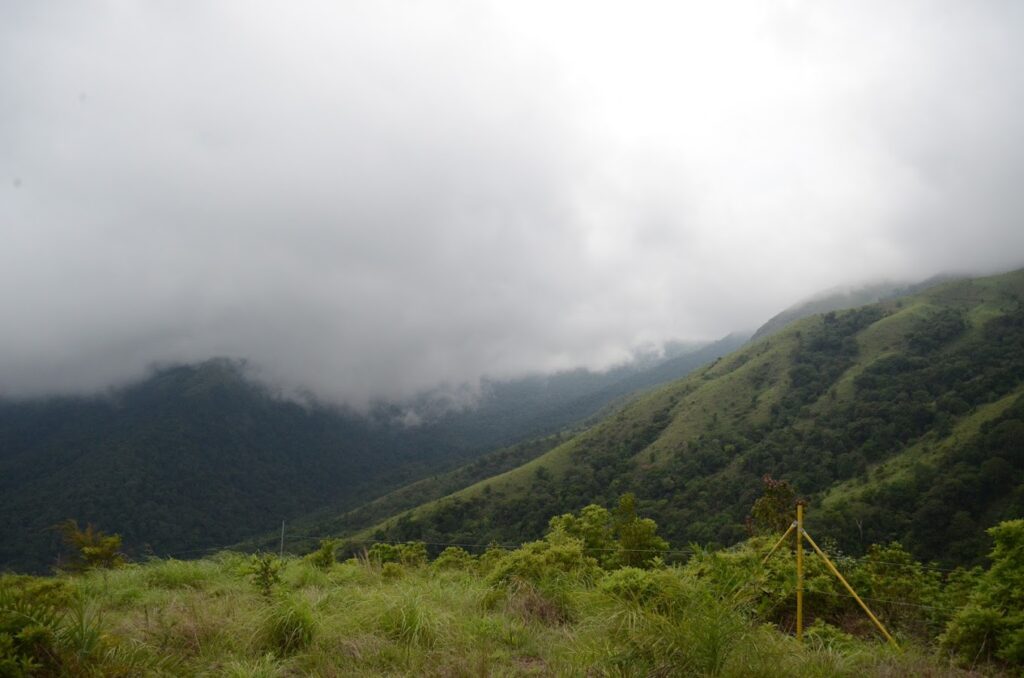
[{"x": 550, "y": 608}]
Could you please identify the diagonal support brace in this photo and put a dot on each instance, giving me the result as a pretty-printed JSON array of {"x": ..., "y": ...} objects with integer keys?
[{"x": 849, "y": 588}]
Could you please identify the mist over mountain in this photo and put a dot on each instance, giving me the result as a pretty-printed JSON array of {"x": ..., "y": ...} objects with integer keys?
[
  {"x": 368, "y": 201},
  {"x": 839, "y": 299},
  {"x": 200, "y": 456},
  {"x": 900, "y": 420}
]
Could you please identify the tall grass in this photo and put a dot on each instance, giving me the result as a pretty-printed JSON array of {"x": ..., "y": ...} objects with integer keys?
[
  {"x": 287, "y": 626},
  {"x": 351, "y": 619}
]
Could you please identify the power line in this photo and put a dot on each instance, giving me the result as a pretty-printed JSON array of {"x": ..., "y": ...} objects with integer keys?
[{"x": 886, "y": 600}]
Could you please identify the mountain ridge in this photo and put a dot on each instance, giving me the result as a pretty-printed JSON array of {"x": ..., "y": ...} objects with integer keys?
[{"x": 852, "y": 389}]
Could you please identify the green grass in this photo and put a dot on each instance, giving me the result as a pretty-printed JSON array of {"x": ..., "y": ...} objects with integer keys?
[{"x": 353, "y": 619}]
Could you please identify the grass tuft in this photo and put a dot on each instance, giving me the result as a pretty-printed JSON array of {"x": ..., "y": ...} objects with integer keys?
[{"x": 287, "y": 626}]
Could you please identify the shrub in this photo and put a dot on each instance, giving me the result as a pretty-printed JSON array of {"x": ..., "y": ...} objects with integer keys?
[
  {"x": 490, "y": 558},
  {"x": 411, "y": 554},
  {"x": 617, "y": 538},
  {"x": 545, "y": 604},
  {"x": 638, "y": 544},
  {"x": 454, "y": 558},
  {"x": 392, "y": 571},
  {"x": 538, "y": 561},
  {"x": 905, "y": 593},
  {"x": 663, "y": 592},
  {"x": 991, "y": 624},
  {"x": 90, "y": 548},
  {"x": 30, "y": 623},
  {"x": 46, "y": 630},
  {"x": 265, "y": 572},
  {"x": 323, "y": 558}
]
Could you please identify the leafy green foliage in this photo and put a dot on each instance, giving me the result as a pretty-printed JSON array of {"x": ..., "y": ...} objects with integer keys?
[
  {"x": 46, "y": 629},
  {"x": 616, "y": 538},
  {"x": 991, "y": 624},
  {"x": 772, "y": 513},
  {"x": 559, "y": 557},
  {"x": 631, "y": 584},
  {"x": 412, "y": 554},
  {"x": 90, "y": 548},
  {"x": 324, "y": 556},
  {"x": 454, "y": 558},
  {"x": 264, "y": 572}
]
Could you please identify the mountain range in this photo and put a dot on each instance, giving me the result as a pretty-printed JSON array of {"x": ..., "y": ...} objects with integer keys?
[
  {"x": 899, "y": 419},
  {"x": 200, "y": 456}
]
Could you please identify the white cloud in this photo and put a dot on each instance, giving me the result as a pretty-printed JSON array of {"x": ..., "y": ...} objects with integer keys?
[{"x": 368, "y": 199}]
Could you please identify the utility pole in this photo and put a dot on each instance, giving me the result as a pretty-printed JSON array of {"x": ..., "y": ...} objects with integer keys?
[
  {"x": 801, "y": 534},
  {"x": 800, "y": 571},
  {"x": 281, "y": 555}
]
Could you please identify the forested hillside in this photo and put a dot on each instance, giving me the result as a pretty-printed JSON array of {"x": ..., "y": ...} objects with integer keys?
[
  {"x": 193, "y": 457},
  {"x": 200, "y": 456},
  {"x": 901, "y": 420}
]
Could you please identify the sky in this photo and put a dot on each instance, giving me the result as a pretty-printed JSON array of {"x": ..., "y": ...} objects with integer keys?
[{"x": 369, "y": 198}]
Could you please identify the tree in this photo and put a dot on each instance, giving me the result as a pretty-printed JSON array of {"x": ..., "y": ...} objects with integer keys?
[
  {"x": 617, "y": 538},
  {"x": 637, "y": 539},
  {"x": 772, "y": 511},
  {"x": 90, "y": 548}
]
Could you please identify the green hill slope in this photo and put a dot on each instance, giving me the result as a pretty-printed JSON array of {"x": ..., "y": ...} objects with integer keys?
[
  {"x": 200, "y": 456},
  {"x": 194, "y": 457},
  {"x": 902, "y": 418}
]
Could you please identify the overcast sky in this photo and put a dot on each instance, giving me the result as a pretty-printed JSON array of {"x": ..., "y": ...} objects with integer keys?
[{"x": 366, "y": 198}]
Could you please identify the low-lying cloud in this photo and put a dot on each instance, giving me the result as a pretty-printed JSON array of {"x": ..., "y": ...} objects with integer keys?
[{"x": 369, "y": 199}]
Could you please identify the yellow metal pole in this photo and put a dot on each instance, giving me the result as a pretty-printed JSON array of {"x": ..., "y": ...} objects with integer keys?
[
  {"x": 799, "y": 571},
  {"x": 779, "y": 543},
  {"x": 849, "y": 588}
]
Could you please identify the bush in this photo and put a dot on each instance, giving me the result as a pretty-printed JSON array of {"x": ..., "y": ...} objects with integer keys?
[
  {"x": 264, "y": 571},
  {"x": 906, "y": 594},
  {"x": 323, "y": 558},
  {"x": 45, "y": 630},
  {"x": 90, "y": 548},
  {"x": 558, "y": 558},
  {"x": 546, "y": 604},
  {"x": 617, "y": 538},
  {"x": 454, "y": 558},
  {"x": 392, "y": 571},
  {"x": 411, "y": 554},
  {"x": 630, "y": 584},
  {"x": 773, "y": 511},
  {"x": 991, "y": 624}
]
